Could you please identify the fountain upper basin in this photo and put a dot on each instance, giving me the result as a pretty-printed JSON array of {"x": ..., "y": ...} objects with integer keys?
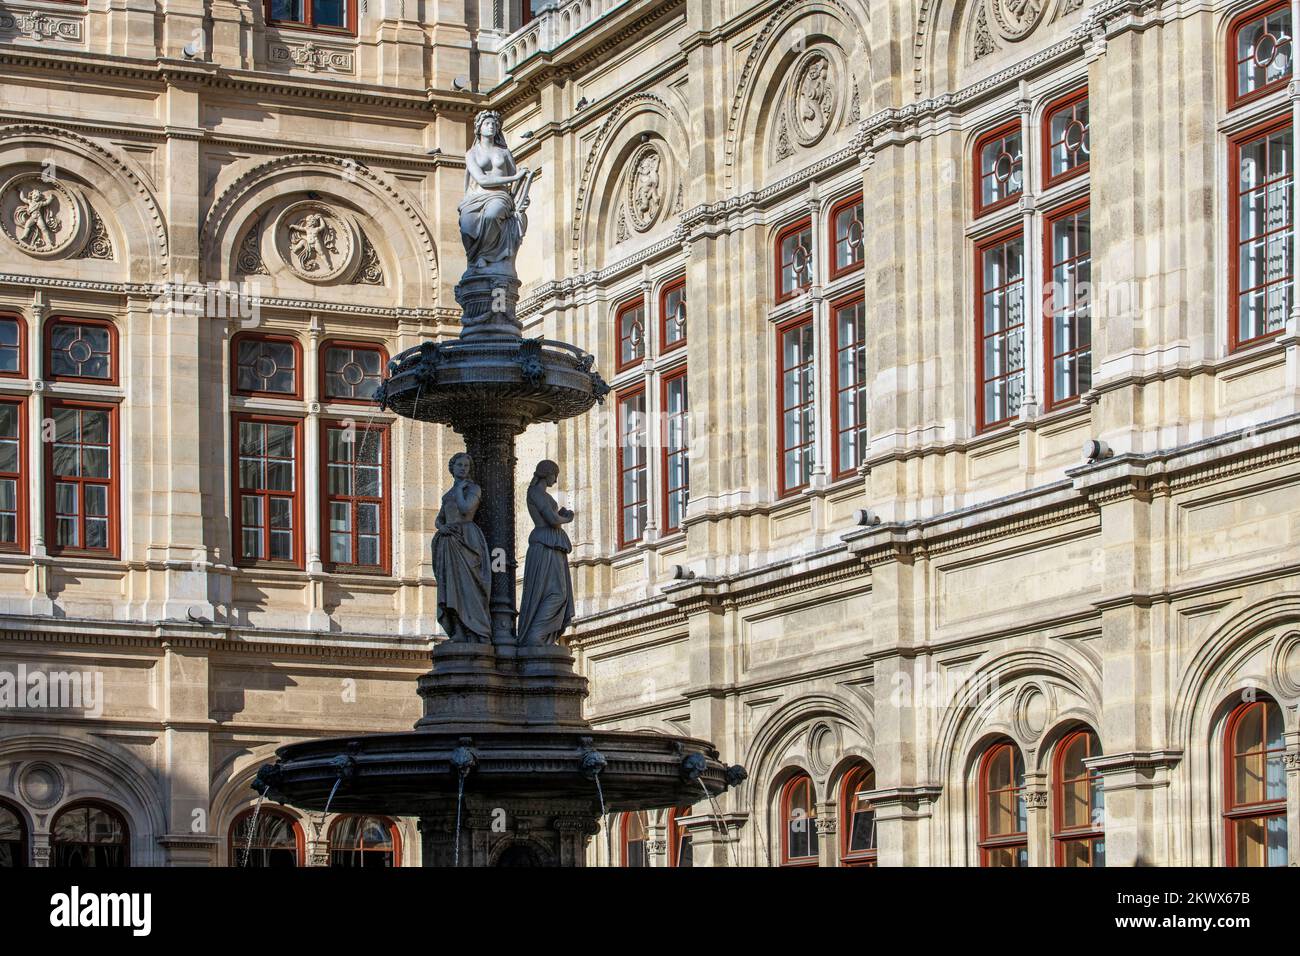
[{"x": 415, "y": 773}]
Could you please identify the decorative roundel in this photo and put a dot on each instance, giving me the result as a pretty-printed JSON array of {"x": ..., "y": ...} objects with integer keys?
[
  {"x": 316, "y": 241},
  {"x": 813, "y": 96},
  {"x": 41, "y": 785},
  {"x": 823, "y": 745},
  {"x": 1016, "y": 19},
  {"x": 1033, "y": 711},
  {"x": 1286, "y": 663},
  {"x": 45, "y": 218},
  {"x": 645, "y": 187}
]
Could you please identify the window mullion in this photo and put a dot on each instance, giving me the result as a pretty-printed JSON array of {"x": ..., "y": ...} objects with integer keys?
[{"x": 1031, "y": 225}]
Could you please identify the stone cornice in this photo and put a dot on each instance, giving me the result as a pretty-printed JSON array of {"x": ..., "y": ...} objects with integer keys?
[{"x": 170, "y": 72}]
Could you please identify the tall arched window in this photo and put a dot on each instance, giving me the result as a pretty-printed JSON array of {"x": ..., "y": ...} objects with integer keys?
[
  {"x": 1255, "y": 799},
  {"x": 357, "y": 841},
  {"x": 277, "y": 842},
  {"x": 13, "y": 838},
  {"x": 680, "y": 852},
  {"x": 1004, "y": 838},
  {"x": 635, "y": 830},
  {"x": 858, "y": 818},
  {"x": 799, "y": 822},
  {"x": 89, "y": 834},
  {"x": 1079, "y": 822}
]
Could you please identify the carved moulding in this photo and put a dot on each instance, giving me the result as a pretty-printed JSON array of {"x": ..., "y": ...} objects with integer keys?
[
  {"x": 44, "y": 218},
  {"x": 39, "y": 26},
  {"x": 645, "y": 187}
]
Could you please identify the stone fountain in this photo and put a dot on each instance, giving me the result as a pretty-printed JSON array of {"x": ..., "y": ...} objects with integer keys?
[{"x": 502, "y": 769}]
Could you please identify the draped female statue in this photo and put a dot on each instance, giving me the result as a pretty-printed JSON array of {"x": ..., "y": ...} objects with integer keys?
[
  {"x": 492, "y": 214},
  {"x": 462, "y": 564},
  {"x": 547, "y": 607}
]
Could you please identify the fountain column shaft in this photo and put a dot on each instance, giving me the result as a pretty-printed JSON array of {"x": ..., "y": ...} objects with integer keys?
[{"x": 491, "y": 443}]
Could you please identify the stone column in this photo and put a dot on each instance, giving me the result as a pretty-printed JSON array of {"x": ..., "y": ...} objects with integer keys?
[
  {"x": 318, "y": 844},
  {"x": 1038, "y": 826},
  {"x": 715, "y": 842},
  {"x": 1135, "y": 788},
  {"x": 491, "y": 443},
  {"x": 1291, "y": 760},
  {"x": 828, "y": 834}
]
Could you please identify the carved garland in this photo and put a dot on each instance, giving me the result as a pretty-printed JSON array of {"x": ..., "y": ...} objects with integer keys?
[
  {"x": 250, "y": 179},
  {"x": 27, "y": 131}
]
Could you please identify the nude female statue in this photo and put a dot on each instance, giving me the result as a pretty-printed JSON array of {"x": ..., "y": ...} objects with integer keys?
[
  {"x": 546, "y": 610},
  {"x": 492, "y": 220},
  {"x": 462, "y": 564}
]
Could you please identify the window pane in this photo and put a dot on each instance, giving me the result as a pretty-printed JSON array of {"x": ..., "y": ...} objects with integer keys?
[
  {"x": 1068, "y": 136},
  {"x": 1000, "y": 169},
  {"x": 631, "y": 334},
  {"x": 1263, "y": 51},
  {"x": 287, "y": 10},
  {"x": 1264, "y": 235}
]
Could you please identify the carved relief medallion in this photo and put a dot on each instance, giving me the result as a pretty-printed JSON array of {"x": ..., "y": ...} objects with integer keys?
[
  {"x": 44, "y": 218},
  {"x": 645, "y": 188},
  {"x": 813, "y": 96},
  {"x": 317, "y": 242},
  {"x": 1016, "y": 19}
]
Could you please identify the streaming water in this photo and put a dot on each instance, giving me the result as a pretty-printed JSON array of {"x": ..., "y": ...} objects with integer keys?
[
  {"x": 604, "y": 821},
  {"x": 252, "y": 829},
  {"x": 722, "y": 824},
  {"x": 333, "y": 791},
  {"x": 460, "y": 796}
]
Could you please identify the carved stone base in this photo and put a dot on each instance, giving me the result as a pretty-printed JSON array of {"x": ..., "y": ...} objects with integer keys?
[
  {"x": 470, "y": 687},
  {"x": 508, "y": 832},
  {"x": 488, "y": 304}
]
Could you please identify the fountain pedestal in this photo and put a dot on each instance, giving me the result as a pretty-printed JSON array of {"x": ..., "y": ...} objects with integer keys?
[{"x": 470, "y": 688}]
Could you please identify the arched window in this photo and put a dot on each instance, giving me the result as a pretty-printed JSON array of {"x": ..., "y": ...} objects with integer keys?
[
  {"x": 858, "y": 818},
  {"x": 1004, "y": 840},
  {"x": 13, "y": 838},
  {"x": 1079, "y": 835},
  {"x": 680, "y": 852},
  {"x": 1255, "y": 800},
  {"x": 635, "y": 829},
  {"x": 799, "y": 822},
  {"x": 277, "y": 842},
  {"x": 1260, "y": 52},
  {"x": 89, "y": 834},
  {"x": 358, "y": 841}
]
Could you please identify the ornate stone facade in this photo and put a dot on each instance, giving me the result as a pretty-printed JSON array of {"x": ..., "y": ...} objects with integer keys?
[{"x": 910, "y": 596}]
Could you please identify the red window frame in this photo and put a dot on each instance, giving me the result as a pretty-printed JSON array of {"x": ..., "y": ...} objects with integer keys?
[
  {"x": 526, "y": 15},
  {"x": 235, "y": 844},
  {"x": 309, "y": 14},
  {"x": 833, "y": 242},
  {"x": 631, "y": 305},
  {"x": 1236, "y": 99},
  {"x": 1234, "y": 812},
  {"x": 620, "y": 400},
  {"x": 782, "y": 408},
  {"x": 998, "y": 132},
  {"x": 980, "y": 378},
  {"x": 394, "y": 836},
  {"x": 1234, "y": 231},
  {"x": 238, "y": 492},
  {"x": 674, "y": 424},
  {"x": 991, "y": 842},
  {"x": 625, "y": 840},
  {"x": 112, "y": 483},
  {"x": 238, "y": 339},
  {"x": 1093, "y": 833},
  {"x": 355, "y": 346},
  {"x": 48, "y": 337},
  {"x": 21, "y": 347},
  {"x": 848, "y": 799},
  {"x": 677, "y": 285},
  {"x": 102, "y": 807},
  {"x": 799, "y": 780},
  {"x": 19, "y": 478},
  {"x": 1050, "y": 353},
  {"x": 838, "y": 467},
  {"x": 678, "y": 837},
  {"x": 22, "y": 857},
  {"x": 363, "y": 433},
  {"x": 795, "y": 228},
  {"x": 1067, "y": 102}
]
